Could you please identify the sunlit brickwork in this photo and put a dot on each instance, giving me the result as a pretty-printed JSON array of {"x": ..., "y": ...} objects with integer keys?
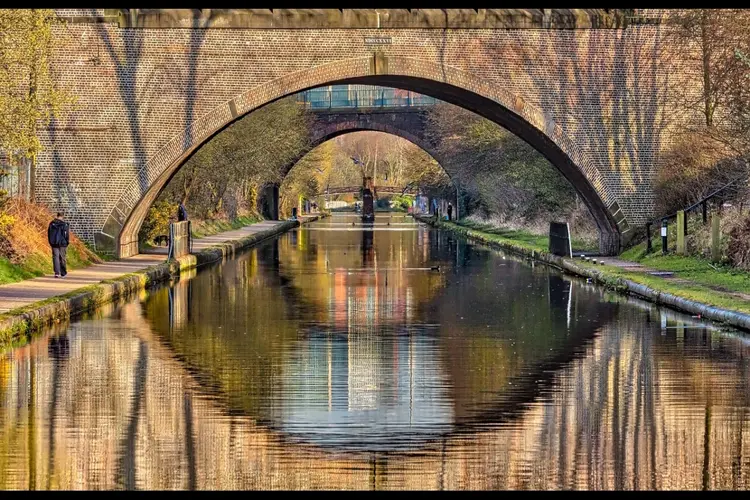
[{"x": 148, "y": 97}]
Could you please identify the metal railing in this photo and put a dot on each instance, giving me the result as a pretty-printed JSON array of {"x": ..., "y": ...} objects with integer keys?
[
  {"x": 380, "y": 189},
  {"x": 375, "y": 97},
  {"x": 702, "y": 204}
]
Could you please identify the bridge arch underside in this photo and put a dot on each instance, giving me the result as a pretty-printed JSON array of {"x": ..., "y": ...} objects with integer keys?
[{"x": 441, "y": 82}]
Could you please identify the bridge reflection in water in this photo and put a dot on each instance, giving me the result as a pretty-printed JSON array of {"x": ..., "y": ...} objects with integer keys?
[{"x": 330, "y": 358}]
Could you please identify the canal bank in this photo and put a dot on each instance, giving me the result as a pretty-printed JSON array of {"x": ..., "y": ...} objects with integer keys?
[
  {"x": 653, "y": 290},
  {"x": 19, "y": 323}
]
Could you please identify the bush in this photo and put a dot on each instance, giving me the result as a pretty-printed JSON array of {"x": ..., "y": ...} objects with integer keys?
[
  {"x": 402, "y": 202},
  {"x": 738, "y": 248},
  {"x": 694, "y": 167},
  {"x": 157, "y": 221}
]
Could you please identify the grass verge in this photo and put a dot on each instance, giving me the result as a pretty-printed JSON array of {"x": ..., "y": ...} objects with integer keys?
[
  {"x": 537, "y": 241},
  {"x": 201, "y": 229},
  {"x": 701, "y": 271},
  {"x": 615, "y": 278}
]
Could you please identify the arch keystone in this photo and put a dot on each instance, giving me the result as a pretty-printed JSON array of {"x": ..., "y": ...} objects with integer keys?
[{"x": 379, "y": 63}]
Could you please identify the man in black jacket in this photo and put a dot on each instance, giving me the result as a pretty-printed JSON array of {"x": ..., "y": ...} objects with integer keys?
[
  {"x": 181, "y": 213},
  {"x": 58, "y": 236}
]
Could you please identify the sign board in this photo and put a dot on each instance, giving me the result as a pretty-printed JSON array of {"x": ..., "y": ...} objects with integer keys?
[
  {"x": 559, "y": 239},
  {"x": 378, "y": 40}
]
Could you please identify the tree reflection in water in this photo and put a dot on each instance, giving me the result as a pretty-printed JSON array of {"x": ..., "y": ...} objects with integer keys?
[{"x": 328, "y": 358}]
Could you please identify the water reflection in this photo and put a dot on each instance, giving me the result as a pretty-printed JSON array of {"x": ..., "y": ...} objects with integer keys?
[{"x": 331, "y": 359}]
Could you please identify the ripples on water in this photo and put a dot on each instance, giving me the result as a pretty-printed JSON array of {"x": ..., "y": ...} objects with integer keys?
[{"x": 340, "y": 356}]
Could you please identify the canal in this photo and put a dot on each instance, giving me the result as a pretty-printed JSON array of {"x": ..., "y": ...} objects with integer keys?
[{"x": 391, "y": 356}]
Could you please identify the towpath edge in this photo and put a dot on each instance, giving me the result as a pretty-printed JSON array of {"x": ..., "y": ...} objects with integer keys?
[
  {"x": 17, "y": 325},
  {"x": 622, "y": 285}
]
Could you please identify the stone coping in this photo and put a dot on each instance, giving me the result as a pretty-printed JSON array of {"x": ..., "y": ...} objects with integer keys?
[
  {"x": 366, "y": 18},
  {"x": 734, "y": 318},
  {"x": 18, "y": 325}
]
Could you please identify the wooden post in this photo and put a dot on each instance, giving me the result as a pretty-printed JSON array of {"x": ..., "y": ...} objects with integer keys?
[
  {"x": 715, "y": 238},
  {"x": 681, "y": 243}
]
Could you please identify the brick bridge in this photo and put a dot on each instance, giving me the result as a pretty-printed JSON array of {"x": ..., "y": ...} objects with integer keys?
[
  {"x": 408, "y": 123},
  {"x": 585, "y": 88}
]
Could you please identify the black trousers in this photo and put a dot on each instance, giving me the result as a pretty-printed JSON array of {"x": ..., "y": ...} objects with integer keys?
[{"x": 59, "y": 254}]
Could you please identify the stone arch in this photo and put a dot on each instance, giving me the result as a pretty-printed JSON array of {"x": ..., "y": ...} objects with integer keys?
[{"x": 437, "y": 80}]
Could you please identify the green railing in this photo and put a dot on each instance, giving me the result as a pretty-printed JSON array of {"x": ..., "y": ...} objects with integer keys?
[{"x": 343, "y": 96}]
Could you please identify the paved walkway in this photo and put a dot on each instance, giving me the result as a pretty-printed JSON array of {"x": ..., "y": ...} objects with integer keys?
[
  {"x": 207, "y": 241},
  {"x": 27, "y": 292}
]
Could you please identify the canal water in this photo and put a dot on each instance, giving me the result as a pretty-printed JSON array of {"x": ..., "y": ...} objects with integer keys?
[{"x": 388, "y": 356}]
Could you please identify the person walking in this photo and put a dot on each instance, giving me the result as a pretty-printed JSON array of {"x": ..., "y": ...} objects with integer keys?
[
  {"x": 182, "y": 214},
  {"x": 450, "y": 211},
  {"x": 58, "y": 235}
]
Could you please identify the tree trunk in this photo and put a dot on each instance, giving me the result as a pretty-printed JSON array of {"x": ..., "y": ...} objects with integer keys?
[{"x": 707, "y": 90}]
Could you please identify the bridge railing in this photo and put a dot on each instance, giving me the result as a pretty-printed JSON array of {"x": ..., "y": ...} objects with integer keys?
[
  {"x": 336, "y": 98},
  {"x": 379, "y": 189}
]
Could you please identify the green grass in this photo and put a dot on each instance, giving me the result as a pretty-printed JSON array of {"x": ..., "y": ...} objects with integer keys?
[
  {"x": 106, "y": 257},
  {"x": 538, "y": 242},
  {"x": 11, "y": 273},
  {"x": 699, "y": 292},
  {"x": 210, "y": 227},
  {"x": 37, "y": 264},
  {"x": 532, "y": 240},
  {"x": 701, "y": 272},
  {"x": 693, "y": 268}
]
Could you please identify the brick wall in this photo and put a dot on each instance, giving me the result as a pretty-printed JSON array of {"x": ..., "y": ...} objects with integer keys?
[
  {"x": 147, "y": 97},
  {"x": 80, "y": 12}
]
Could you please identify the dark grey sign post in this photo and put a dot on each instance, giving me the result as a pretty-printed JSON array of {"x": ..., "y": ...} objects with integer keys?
[{"x": 559, "y": 239}]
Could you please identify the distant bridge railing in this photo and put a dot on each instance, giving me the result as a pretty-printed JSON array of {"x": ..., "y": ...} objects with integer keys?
[
  {"x": 343, "y": 97},
  {"x": 378, "y": 189}
]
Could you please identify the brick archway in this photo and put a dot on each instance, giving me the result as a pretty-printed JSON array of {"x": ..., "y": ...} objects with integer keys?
[
  {"x": 437, "y": 80},
  {"x": 360, "y": 122}
]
